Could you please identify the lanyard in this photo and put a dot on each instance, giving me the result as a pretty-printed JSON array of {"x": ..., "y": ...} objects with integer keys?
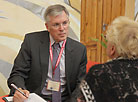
[{"x": 59, "y": 56}]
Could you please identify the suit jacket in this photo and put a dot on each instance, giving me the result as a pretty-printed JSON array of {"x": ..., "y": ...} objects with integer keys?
[{"x": 31, "y": 64}]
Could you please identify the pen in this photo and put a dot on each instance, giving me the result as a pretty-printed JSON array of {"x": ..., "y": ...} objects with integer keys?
[{"x": 15, "y": 87}]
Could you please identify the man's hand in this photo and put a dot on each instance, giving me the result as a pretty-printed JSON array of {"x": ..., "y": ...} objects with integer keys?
[{"x": 18, "y": 97}]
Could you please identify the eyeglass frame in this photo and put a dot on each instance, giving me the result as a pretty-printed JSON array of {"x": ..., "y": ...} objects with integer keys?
[{"x": 58, "y": 25}]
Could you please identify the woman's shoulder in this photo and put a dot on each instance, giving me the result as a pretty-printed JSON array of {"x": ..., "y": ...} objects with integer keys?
[
  {"x": 105, "y": 69},
  {"x": 98, "y": 68},
  {"x": 107, "y": 66}
]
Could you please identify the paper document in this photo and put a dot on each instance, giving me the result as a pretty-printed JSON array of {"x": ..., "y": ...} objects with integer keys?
[
  {"x": 8, "y": 99},
  {"x": 32, "y": 98}
]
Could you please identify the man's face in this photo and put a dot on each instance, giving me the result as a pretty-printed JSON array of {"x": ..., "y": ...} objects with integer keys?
[{"x": 58, "y": 27}]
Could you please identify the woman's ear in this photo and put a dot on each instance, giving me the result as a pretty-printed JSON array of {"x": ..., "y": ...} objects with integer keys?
[{"x": 113, "y": 51}]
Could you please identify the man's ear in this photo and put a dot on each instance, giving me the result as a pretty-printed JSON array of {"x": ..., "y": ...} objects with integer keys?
[{"x": 47, "y": 26}]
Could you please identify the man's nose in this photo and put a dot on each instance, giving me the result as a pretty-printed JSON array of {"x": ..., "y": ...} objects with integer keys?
[{"x": 61, "y": 27}]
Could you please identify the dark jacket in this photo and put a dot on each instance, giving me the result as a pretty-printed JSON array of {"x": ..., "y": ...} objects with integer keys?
[{"x": 31, "y": 64}]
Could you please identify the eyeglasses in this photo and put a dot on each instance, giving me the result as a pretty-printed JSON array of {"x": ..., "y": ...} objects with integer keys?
[{"x": 58, "y": 25}]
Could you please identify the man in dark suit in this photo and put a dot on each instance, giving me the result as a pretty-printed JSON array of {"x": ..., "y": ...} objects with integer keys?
[{"x": 32, "y": 71}]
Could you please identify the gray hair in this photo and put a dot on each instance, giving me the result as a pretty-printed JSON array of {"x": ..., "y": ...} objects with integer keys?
[
  {"x": 123, "y": 32},
  {"x": 54, "y": 10}
]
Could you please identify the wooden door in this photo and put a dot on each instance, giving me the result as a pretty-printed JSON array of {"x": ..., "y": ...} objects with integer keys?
[{"x": 96, "y": 15}]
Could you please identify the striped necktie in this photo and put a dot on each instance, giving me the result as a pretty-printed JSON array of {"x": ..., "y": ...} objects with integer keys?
[{"x": 56, "y": 95}]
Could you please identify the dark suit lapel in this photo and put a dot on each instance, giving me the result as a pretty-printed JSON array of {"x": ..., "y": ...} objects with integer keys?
[
  {"x": 68, "y": 59},
  {"x": 44, "y": 56}
]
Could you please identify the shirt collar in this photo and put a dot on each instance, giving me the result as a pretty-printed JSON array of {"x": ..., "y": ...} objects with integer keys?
[{"x": 53, "y": 41}]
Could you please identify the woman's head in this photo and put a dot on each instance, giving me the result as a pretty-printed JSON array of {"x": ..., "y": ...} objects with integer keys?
[{"x": 122, "y": 34}]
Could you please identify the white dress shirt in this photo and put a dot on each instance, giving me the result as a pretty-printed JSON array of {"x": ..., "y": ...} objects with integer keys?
[{"x": 62, "y": 70}]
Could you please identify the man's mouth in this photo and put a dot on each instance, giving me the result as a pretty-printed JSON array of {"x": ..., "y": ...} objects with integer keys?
[{"x": 61, "y": 34}]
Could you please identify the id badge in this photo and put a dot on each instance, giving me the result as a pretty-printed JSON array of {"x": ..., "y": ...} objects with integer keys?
[{"x": 53, "y": 85}]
